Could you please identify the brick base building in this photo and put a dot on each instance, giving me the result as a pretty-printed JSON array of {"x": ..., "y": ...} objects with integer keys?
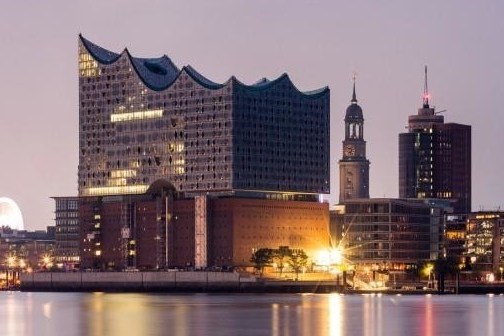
[{"x": 161, "y": 229}]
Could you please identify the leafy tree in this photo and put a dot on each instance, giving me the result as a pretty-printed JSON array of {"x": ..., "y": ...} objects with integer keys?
[
  {"x": 261, "y": 258},
  {"x": 297, "y": 260},
  {"x": 443, "y": 267},
  {"x": 281, "y": 256},
  {"x": 446, "y": 265},
  {"x": 418, "y": 271}
]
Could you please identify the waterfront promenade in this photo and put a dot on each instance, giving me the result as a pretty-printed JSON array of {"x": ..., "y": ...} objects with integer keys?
[
  {"x": 216, "y": 282},
  {"x": 176, "y": 281}
]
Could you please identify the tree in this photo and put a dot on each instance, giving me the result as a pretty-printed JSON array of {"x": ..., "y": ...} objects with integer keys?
[
  {"x": 297, "y": 260},
  {"x": 444, "y": 266},
  {"x": 280, "y": 256},
  {"x": 261, "y": 258}
]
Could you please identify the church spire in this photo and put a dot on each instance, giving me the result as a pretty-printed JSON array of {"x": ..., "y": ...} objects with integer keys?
[
  {"x": 354, "y": 166},
  {"x": 426, "y": 91},
  {"x": 354, "y": 96}
]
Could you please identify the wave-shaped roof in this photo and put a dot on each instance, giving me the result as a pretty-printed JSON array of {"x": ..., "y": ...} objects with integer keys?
[
  {"x": 159, "y": 73},
  {"x": 202, "y": 80},
  {"x": 100, "y": 54},
  {"x": 156, "y": 73}
]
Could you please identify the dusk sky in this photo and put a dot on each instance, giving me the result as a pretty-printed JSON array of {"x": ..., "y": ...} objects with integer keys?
[{"x": 318, "y": 43}]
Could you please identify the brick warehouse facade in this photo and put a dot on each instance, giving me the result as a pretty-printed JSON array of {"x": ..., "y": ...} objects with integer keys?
[{"x": 160, "y": 231}]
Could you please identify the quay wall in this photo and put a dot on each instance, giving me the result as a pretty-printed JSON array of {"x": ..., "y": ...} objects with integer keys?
[{"x": 166, "y": 282}]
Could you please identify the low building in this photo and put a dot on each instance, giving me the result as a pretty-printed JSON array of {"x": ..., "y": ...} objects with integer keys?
[
  {"x": 162, "y": 229},
  {"x": 484, "y": 241},
  {"x": 454, "y": 245},
  {"x": 24, "y": 250},
  {"x": 391, "y": 234},
  {"x": 66, "y": 234}
]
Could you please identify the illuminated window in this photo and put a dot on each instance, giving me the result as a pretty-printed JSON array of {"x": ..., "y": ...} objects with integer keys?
[
  {"x": 88, "y": 67},
  {"x": 137, "y": 115},
  {"x": 100, "y": 191}
]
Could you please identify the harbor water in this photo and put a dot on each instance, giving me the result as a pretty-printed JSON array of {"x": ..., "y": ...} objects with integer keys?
[{"x": 120, "y": 314}]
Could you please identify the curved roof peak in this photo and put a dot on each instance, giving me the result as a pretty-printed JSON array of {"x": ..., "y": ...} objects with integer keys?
[
  {"x": 159, "y": 73},
  {"x": 262, "y": 81},
  {"x": 156, "y": 73},
  {"x": 202, "y": 80},
  {"x": 102, "y": 55},
  {"x": 265, "y": 83}
]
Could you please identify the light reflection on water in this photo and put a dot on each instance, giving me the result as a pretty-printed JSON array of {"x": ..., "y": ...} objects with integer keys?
[{"x": 279, "y": 315}]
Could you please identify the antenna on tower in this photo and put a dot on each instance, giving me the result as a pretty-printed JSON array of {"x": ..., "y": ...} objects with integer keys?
[{"x": 426, "y": 91}]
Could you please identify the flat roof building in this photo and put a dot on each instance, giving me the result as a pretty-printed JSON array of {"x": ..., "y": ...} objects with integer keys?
[
  {"x": 66, "y": 251},
  {"x": 435, "y": 158},
  {"x": 485, "y": 242},
  {"x": 159, "y": 230},
  {"x": 394, "y": 233}
]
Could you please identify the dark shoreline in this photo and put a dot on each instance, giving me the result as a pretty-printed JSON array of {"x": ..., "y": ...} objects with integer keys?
[{"x": 212, "y": 282}]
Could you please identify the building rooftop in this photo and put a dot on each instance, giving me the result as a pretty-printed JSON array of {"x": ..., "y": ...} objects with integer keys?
[{"x": 160, "y": 73}]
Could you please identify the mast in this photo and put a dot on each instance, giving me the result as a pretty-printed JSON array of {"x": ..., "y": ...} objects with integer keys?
[{"x": 426, "y": 91}]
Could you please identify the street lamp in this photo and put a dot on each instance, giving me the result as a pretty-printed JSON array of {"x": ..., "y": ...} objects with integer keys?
[
  {"x": 11, "y": 264},
  {"x": 428, "y": 270}
]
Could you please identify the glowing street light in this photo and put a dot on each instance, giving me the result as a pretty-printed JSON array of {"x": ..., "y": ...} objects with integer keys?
[
  {"x": 428, "y": 271},
  {"x": 22, "y": 263},
  {"x": 11, "y": 261},
  {"x": 330, "y": 257},
  {"x": 336, "y": 256},
  {"x": 491, "y": 277}
]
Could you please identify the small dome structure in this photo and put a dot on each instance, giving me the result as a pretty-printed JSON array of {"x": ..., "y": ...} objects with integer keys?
[
  {"x": 354, "y": 111},
  {"x": 10, "y": 214}
]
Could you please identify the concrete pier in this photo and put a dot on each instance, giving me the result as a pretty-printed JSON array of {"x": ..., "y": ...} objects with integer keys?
[{"x": 177, "y": 281}]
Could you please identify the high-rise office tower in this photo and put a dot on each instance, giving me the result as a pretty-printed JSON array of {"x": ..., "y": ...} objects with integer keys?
[
  {"x": 354, "y": 166},
  {"x": 144, "y": 120},
  {"x": 435, "y": 158}
]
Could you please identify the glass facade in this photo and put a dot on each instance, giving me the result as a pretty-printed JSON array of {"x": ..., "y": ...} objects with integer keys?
[
  {"x": 485, "y": 241},
  {"x": 143, "y": 120},
  {"x": 435, "y": 161},
  {"x": 392, "y": 231}
]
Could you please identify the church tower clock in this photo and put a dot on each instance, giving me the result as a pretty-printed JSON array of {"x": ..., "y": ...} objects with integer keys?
[{"x": 354, "y": 167}]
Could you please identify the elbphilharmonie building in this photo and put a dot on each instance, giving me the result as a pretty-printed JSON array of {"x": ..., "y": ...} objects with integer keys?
[
  {"x": 176, "y": 170},
  {"x": 144, "y": 119}
]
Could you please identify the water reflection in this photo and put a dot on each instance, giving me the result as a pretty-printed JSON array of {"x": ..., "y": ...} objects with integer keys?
[
  {"x": 336, "y": 315},
  {"x": 428, "y": 319},
  {"x": 279, "y": 315}
]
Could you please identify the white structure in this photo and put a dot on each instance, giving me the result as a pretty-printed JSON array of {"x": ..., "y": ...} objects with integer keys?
[{"x": 10, "y": 215}]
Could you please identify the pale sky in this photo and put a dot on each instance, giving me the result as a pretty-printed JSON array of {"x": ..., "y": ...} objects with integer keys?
[{"x": 318, "y": 43}]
